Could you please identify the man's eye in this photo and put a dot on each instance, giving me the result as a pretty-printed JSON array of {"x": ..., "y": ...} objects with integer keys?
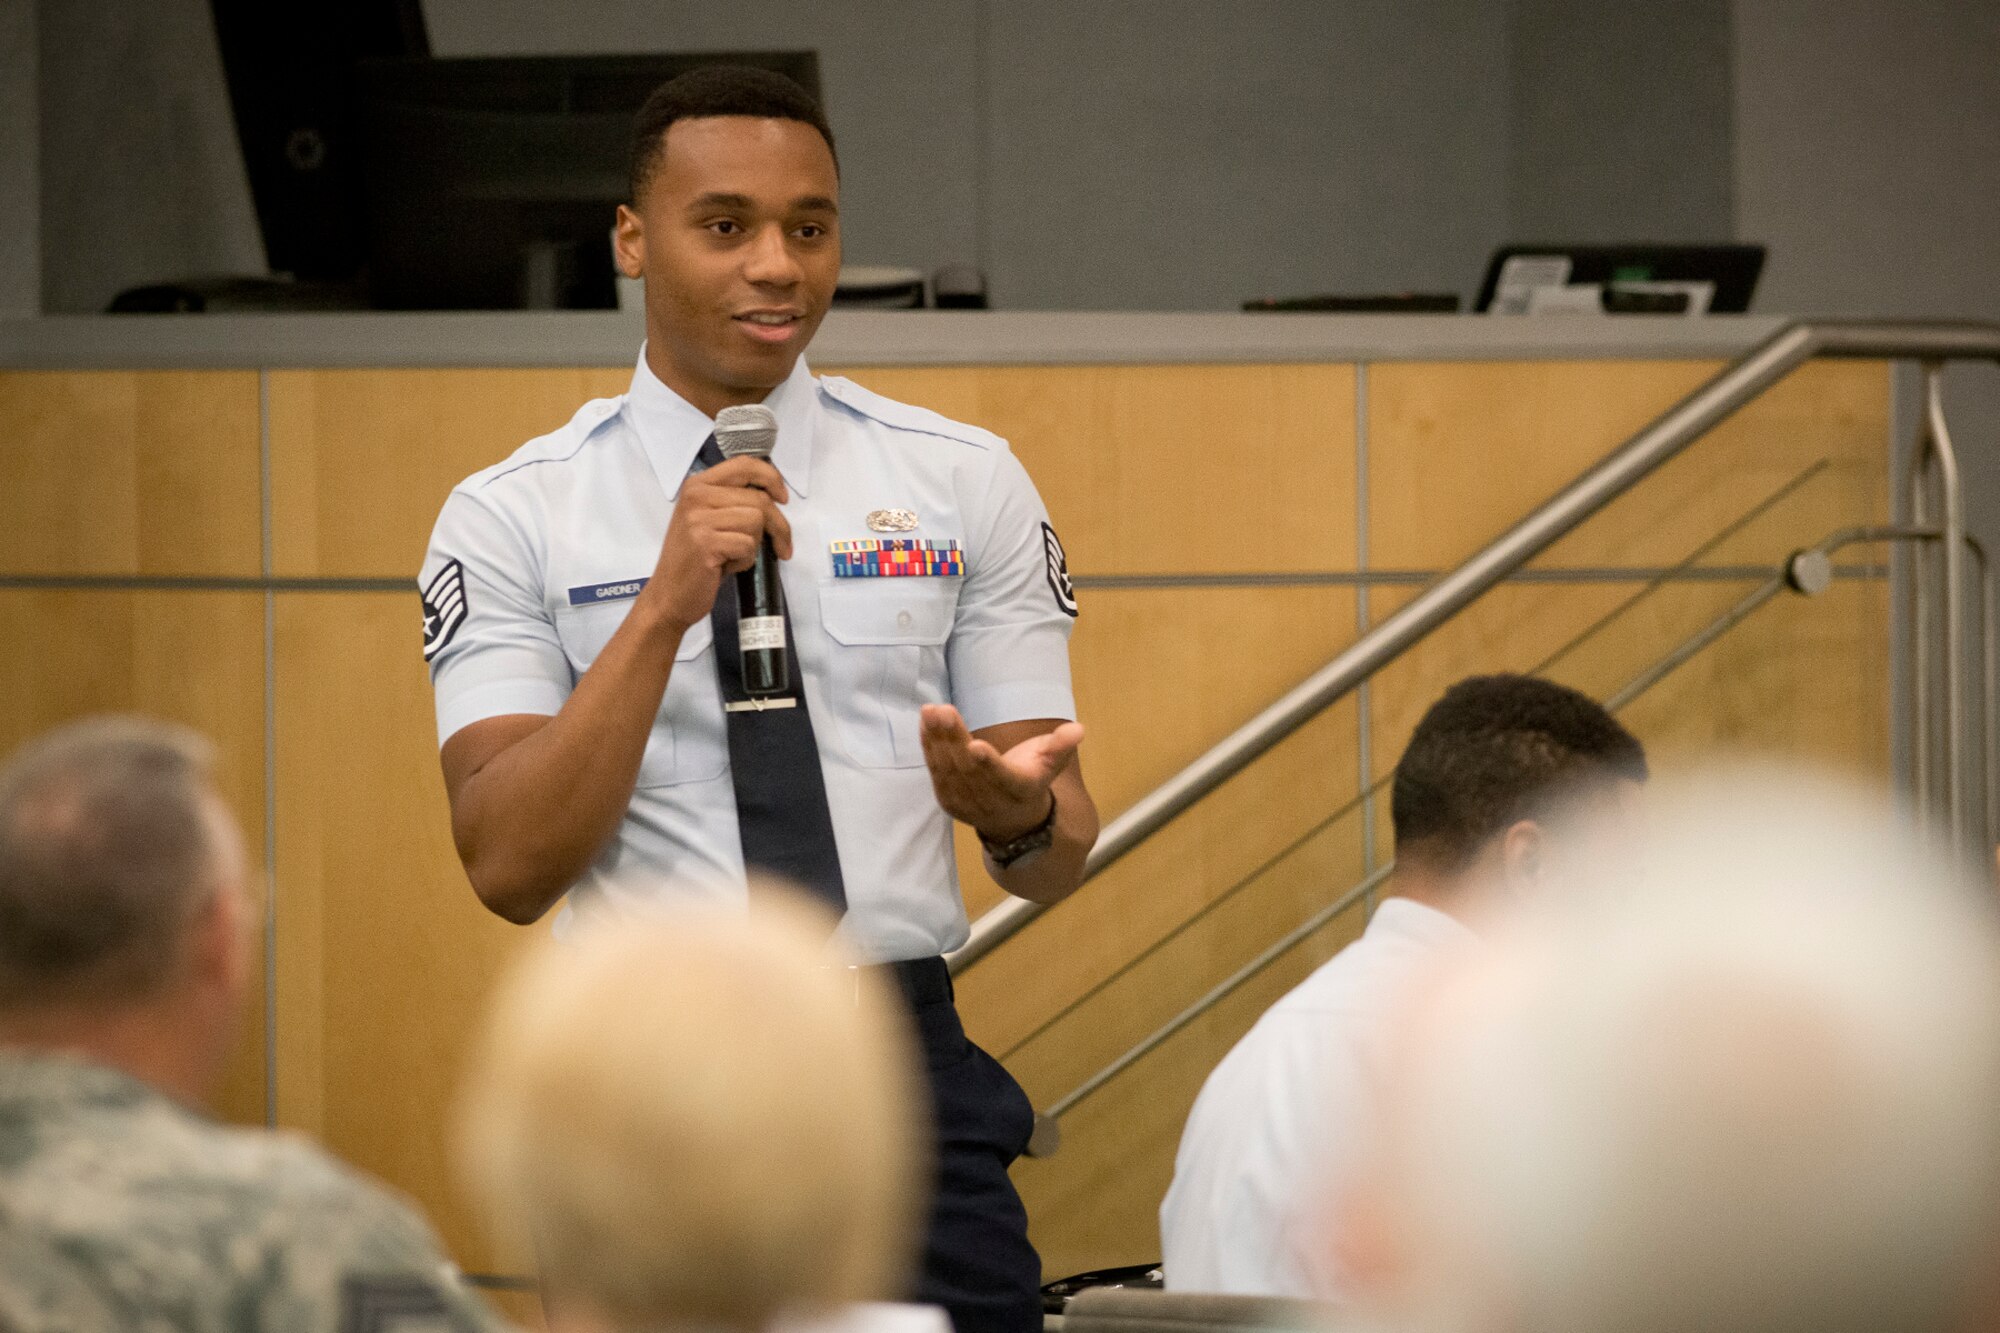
[
  {"x": 812, "y": 231},
  {"x": 726, "y": 227}
]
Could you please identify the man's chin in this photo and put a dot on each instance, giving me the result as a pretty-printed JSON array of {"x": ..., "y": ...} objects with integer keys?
[{"x": 763, "y": 369}]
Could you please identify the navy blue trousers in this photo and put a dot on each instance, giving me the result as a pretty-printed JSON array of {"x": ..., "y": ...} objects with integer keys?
[{"x": 977, "y": 1261}]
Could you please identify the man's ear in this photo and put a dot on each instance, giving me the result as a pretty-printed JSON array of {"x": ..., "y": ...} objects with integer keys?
[
  {"x": 1522, "y": 857},
  {"x": 629, "y": 242},
  {"x": 219, "y": 944}
]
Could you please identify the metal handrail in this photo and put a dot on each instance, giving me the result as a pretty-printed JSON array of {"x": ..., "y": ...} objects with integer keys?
[
  {"x": 1807, "y": 572},
  {"x": 1620, "y": 470}
]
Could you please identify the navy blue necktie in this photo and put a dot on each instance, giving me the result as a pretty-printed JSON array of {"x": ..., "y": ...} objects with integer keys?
[{"x": 781, "y": 812}]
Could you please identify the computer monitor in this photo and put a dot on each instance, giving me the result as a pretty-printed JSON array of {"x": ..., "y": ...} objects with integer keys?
[
  {"x": 290, "y": 70},
  {"x": 492, "y": 184},
  {"x": 1731, "y": 269}
]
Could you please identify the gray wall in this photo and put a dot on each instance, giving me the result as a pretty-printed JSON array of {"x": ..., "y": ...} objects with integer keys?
[
  {"x": 1186, "y": 154},
  {"x": 1137, "y": 154},
  {"x": 1620, "y": 121},
  {"x": 141, "y": 176},
  {"x": 1868, "y": 159},
  {"x": 1107, "y": 154},
  {"x": 20, "y": 161}
]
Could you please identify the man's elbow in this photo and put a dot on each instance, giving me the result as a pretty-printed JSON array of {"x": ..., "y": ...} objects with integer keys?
[{"x": 510, "y": 894}]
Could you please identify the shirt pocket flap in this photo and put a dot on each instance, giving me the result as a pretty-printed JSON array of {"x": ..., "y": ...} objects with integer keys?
[
  {"x": 585, "y": 630},
  {"x": 871, "y": 612}
]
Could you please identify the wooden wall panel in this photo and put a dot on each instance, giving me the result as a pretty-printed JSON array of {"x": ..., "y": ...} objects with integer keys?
[
  {"x": 116, "y": 472},
  {"x": 1804, "y": 677},
  {"x": 196, "y": 658},
  {"x": 1151, "y": 469},
  {"x": 1459, "y": 452},
  {"x": 1161, "y": 675},
  {"x": 385, "y": 957},
  {"x": 1807, "y": 679},
  {"x": 361, "y": 460}
]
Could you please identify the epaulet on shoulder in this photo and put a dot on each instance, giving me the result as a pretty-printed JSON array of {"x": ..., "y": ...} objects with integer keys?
[
  {"x": 905, "y": 416},
  {"x": 560, "y": 443}
]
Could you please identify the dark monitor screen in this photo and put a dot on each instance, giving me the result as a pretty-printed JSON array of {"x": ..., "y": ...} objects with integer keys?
[
  {"x": 492, "y": 184},
  {"x": 1733, "y": 269},
  {"x": 290, "y": 69}
]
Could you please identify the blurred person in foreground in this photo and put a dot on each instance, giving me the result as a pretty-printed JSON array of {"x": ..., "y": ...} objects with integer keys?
[
  {"x": 125, "y": 923},
  {"x": 739, "y": 1147},
  {"x": 1749, "y": 1082},
  {"x": 1485, "y": 805}
]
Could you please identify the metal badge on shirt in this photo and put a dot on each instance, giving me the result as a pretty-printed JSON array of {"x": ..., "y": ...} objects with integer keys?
[{"x": 892, "y": 520}]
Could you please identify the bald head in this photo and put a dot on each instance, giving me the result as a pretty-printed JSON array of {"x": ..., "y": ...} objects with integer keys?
[{"x": 113, "y": 846}]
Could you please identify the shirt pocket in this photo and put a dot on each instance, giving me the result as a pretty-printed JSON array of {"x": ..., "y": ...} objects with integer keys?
[
  {"x": 687, "y": 743},
  {"x": 886, "y": 660}
]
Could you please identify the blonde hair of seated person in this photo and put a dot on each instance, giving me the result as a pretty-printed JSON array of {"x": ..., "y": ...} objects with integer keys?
[
  {"x": 702, "y": 1119},
  {"x": 1747, "y": 1080}
]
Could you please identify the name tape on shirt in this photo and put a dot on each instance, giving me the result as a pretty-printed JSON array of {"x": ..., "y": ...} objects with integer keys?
[
  {"x": 444, "y": 607},
  {"x": 594, "y": 593},
  {"x": 898, "y": 557}
]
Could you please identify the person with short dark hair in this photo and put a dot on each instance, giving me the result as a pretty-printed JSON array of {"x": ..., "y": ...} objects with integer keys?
[
  {"x": 717, "y": 90},
  {"x": 614, "y": 734},
  {"x": 1491, "y": 798},
  {"x": 125, "y": 919}
]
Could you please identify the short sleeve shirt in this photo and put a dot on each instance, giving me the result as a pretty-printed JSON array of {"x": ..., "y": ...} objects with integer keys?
[
  {"x": 962, "y": 597},
  {"x": 1287, "y": 1117}
]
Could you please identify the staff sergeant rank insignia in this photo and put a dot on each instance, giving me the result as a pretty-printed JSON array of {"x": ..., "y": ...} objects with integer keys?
[
  {"x": 444, "y": 608},
  {"x": 1059, "y": 583}
]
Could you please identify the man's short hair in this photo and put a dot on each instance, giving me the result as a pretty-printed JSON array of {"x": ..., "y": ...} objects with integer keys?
[
  {"x": 1495, "y": 750},
  {"x": 718, "y": 90},
  {"x": 106, "y": 856},
  {"x": 701, "y": 1120}
]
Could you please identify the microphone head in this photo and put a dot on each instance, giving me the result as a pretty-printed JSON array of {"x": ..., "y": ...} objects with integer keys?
[{"x": 750, "y": 429}]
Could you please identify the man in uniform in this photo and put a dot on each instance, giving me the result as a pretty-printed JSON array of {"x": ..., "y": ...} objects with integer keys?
[
  {"x": 598, "y": 738},
  {"x": 124, "y": 959}
]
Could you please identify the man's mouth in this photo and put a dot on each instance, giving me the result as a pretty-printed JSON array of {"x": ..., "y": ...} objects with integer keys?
[{"x": 770, "y": 326}]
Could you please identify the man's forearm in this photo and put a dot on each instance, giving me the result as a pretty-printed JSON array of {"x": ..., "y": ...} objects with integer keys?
[{"x": 530, "y": 820}]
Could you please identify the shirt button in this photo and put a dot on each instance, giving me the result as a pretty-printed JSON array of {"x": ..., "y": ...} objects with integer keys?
[{"x": 902, "y": 620}]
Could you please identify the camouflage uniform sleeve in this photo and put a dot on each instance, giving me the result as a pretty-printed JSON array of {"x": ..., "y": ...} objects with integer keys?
[
  {"x": 43, "y": 1290},
  {"x": 359, "y": 1260}
]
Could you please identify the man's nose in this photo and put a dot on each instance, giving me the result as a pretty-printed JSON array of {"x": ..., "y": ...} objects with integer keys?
[{"x": 770, "y": 262}]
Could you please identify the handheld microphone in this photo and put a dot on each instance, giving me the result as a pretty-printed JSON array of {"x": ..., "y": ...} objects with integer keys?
[{"x": 750, "y": 431}]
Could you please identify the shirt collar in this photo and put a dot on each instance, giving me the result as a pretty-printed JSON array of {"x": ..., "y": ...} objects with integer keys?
[
  {"x": 672, "y": 429},
  {"x": 49, "y": 1078},
  {"x": 1417, "y": 921}
]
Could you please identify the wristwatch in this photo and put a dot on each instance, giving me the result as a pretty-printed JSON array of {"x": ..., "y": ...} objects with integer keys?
[{"x": 1016, "y": 850}]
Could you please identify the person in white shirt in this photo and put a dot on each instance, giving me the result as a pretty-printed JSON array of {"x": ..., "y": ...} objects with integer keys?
[
  {"x": 614, "y": 731},
  {"x": 1744, "y": 1080},
  {"x": 1482, "y": 807}
]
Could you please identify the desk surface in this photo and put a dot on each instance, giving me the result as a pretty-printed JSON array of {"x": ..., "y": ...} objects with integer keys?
[{"x": 862, "y": 338}]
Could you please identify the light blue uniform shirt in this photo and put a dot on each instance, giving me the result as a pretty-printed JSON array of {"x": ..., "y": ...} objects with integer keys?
[{"x": 534, "y": 563}]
